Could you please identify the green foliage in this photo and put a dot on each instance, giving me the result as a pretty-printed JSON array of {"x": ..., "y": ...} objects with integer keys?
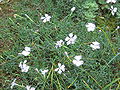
[
  {"x": 90, "y": 7},
  {"x": 118, "y": 8},
  {"x": 101, "y": 1},
  {"x": 22, "y": 27}
]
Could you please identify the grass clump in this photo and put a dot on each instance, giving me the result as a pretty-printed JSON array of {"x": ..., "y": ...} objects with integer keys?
[{"x": 73, "y": 49}]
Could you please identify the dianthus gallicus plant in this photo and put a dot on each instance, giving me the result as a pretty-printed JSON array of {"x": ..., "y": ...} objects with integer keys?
[{"x": 60, "y": 45}]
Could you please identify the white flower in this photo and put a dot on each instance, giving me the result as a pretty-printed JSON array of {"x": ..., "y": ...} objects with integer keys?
[
  {"x": 111, "y": 1},
  {"x": 44, "y": 71},
  {"x": 23, "y": 66},
  {"x": 71, "y": 39},
  {"x": 60, "y": 69},
  {"x": 59, "y": 43},
  {"x": 46, "y": 18},
  {"x": 95, "y": 45},
  {"x": 13, "y": 84},
  {"x": 66, "y": 54},
  {"x": 113, "y": 10},
  {"x": 73, "y": 9},
  {"x": 25, "y": 52},
  {"x": 77, "y": 61},
  {"x": 90, "y": 27},
  {"x": 30, "y": 88}
]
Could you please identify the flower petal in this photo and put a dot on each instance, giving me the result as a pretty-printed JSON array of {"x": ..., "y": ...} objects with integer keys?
[
  {"x": 27, "y": 49},
  {"x": 56, "y": 69},
  {"x": 59, "y": 71},
  {"x": 78, "y": 57},
  {"x": 25, "y": 53},
  {"x": 59, "y": 65},
  {"x": 67, "y": 39},
  {"x": 71, "y": 35},
  {"x": 46, "y": 15},
  {"x": 62, "y": 68},
  {"x": 42, "y": 17},
  {"x": 45, "y": 20}
]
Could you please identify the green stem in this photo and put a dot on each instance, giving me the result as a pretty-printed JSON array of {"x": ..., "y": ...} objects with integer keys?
[
  {"x": 91, "y": 77},
  {"x": 108, "y": 40},
  {"x": 58, "y": 82},
  {"x": 87, "y": 85},
  {"x": 72, "y": 82},
  {"x": 105, "y": 88},
  {"x": 29, "y": 18}
]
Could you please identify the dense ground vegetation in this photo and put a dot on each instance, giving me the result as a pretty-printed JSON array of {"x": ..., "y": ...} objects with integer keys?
[{"x": 46, "y": 42}]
